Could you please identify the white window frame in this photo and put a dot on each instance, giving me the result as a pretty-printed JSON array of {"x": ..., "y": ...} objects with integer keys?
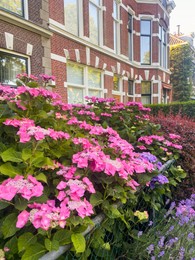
[
  {"x": 12, "y": 53},
  {"x": 24, "y": 9},
  {"x": 131, "y": 95},
  {"x": 120, "y": 93},
  {"x": 100, "y": 9},
  {"x": 162, "y": 47},
  {"x": 116, "y": 25},
  {"x": 79, "y": 19},
  {"x": 85, "y": 87},
  {"x": 130, "y": 36},
  {"x": 150, "y": 38}
]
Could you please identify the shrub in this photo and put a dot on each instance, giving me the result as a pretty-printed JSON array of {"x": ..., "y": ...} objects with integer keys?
[
  {"x": 185, "y": 109},
  {"x": 61, "y": 164},
  {"x": 170, "y": 237},
  {"x": 186, "y": 129}
]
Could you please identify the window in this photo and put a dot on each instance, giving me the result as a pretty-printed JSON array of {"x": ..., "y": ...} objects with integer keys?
[
  {"x": 94, "y": 21},
  {"x": 146, "y": 92},
  {"x": 116, "y": 27},
  {"x": 162, "y": 47},
  {"x": 130, "y": 88},
  {"x": 130, "y": 36},
  {"x": 71, "y": 12},
  {"x": 117, "y": 88},
  {"x": 10, "y": 66},
  {"x": 16, "y": 6},
  {"x": 145, "y": 42},
  {"x": 164, "y": 3},
  {"x": 83, "y": 81}
]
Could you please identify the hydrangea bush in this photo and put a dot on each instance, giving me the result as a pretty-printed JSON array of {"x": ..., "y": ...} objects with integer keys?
[{"x": 62, "y": 164}]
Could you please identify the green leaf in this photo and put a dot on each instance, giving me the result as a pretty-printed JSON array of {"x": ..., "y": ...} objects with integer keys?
[
  {"x": 11, "y": 155},
  {"x": 96, "y": 199},
  {"x": 25, "y": 240},
  {"x": 51, "y": 245},
  {"x": 12, "y": 244},
  {"x": 9, "y": 170},
  {"x": 4, "y": 204},
  {"x": 41, "y": 177},
  {"x": 79, "y": 242},
  {"x": 42, "y": 199},
  {"x": 20, "y": 203},
  {"x": 63, "y": 237},
  {"x": 26, "y": 154},
  {"x": 9, "y": 225},
  {"x": 34, "y": 252}
]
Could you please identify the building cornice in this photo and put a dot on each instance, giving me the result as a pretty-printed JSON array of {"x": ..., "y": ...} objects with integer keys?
[{"x": 25, "y": 24}]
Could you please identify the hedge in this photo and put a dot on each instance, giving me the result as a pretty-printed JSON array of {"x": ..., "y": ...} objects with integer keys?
[{"x": 186, "y": 109}]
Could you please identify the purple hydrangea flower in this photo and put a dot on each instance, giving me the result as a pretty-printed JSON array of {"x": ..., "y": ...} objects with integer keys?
[{"x": 160, "y": 179}]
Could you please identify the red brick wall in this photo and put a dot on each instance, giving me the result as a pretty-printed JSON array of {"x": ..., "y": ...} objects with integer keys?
[
  {"x": 124, "y": 32},
  {"x": 108, "y": 33},
  {"x": 59, "y": 70},
  {"x": 56, "y": 10},
  {"x": 21, "y": 38},
  {"x": 34, "y": 11},
  {"x": 86, "y": 17}
]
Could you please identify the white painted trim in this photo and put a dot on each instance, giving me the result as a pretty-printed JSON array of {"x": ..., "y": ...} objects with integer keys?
[
  {"x": 58, "y": 58},
  {"x": 26, "y": 15},
  {"x": 9, "y": 40},
  {"x": 21, "y": 22},
  {"x": 29, "y": 49},
  {"x": 109, "y": 73}
]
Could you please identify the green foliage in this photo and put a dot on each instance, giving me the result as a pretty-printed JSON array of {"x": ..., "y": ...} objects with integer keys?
[
  {"x": 185, "y": 109},
  {"x": 42, "y": 158},
  {"x": 181, "y": 66}
]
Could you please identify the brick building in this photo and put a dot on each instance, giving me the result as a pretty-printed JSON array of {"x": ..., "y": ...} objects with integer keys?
[{"x": 105, "y": 48}]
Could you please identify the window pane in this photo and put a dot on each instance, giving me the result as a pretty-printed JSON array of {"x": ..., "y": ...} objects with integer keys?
[
  {"x": 93, "y": 23},
  {"x": 15, "y": 6},
  {"x": 115, "y": 10},
  {"x": 146, "y": 87},
  {"x": 75, "y": 95},
  {"x": 145, "y": 49},
  {"x": 117, "y": 98},
  {"x": 71, "y": 16},
  {"x": 94, "y": 78},
  {"x": 116, "y": 83},
  {"x": 97, "y": 2},
  {"x": 10, "y": 66},
  {"x": 130, "y": 87},
  {"x": 115, "y": 36},
  {"x": 94, "y": 93},
  {"x": 74, "y": 74},
  {"x": 160, "y": 33},
  {"x": 146, "y": 100},
  {"x": 145, "y": 27}
]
